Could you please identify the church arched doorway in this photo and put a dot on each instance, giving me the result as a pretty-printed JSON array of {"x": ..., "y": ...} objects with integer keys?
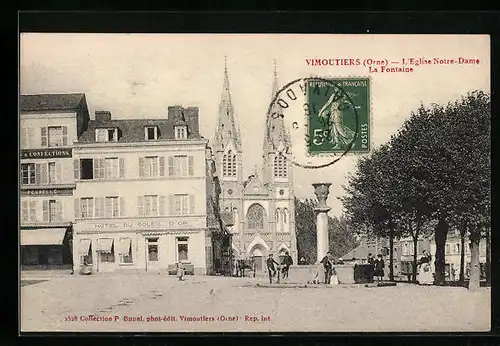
[{"x": 258, "y": 254}]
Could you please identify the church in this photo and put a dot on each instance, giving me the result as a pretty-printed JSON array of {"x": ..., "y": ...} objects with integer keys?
[{"x": 262, "y": 205}]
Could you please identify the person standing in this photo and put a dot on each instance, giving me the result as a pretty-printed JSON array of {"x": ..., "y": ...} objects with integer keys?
[
  {"x": 327, "y": 265},
  {"x": 270, "y": 267},
  {"x": 425, "y": 276},
  {"x": 180, "y": 271},
  {"x": 371, "y": 268},
  {"x": 379, "y": 267},
  {"x": 286, "y": 263}
]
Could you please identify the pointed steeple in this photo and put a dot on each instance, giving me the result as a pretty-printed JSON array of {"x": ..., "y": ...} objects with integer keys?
[
  {"x": 276, "y": 137},
  {"x": 227, "y": 130}
]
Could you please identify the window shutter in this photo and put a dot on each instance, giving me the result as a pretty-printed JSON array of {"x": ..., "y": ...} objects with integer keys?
[
  {"x": 29, "y": 138},
  {"x": 108, "y": 208},
  {"x": 59, "y": 214},
  {"x": 162, "y": 166},
  {"x": 91, "y": 208},
  {"x": 23, "y": 137},
  {"x": 190, "y": 165},
  {"x": 121, "y": 163},
  {"x": 102, "y": 170},
  {"x": 191, "y": 204},
  {"x": 77, "y": 208},
  {"x": 65, "y": 135},
  {"x": 76, "y": 169},
  {"x": 171, "y": 205},
  {"x": 99, "y": 207},
  {"x": 44, "y": 137},
  {"x": 140, "y": 205},
  {"x": 170, "y": 166},
  {"x": 162, "y": 205},
  {"x": 122, "y": 206},
  {"x": 32, "y": 211},
  {"x": 58, "y": 173},
  {"x": 45, "y": 209},
  {"x": 44, "y": 173},
  {"x": 24, "y": 211},
  {"x": 37, "y": 173},
  {"x": 141, "y": 166},
  {"x": 95, "y": 167}
]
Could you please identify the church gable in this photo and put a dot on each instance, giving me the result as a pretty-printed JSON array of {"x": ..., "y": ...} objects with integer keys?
[{"x": 255, "y": 187}]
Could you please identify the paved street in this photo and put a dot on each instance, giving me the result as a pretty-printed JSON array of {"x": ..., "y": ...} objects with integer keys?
[{"x": 65, "y": 304}]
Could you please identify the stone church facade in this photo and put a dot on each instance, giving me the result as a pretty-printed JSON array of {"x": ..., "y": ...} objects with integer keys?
[{"x": 262, "y": 204}]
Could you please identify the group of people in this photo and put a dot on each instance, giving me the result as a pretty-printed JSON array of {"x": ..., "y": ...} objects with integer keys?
[
  {"x": 376, "y": 267},
  {"x": 286, "y": 262}
]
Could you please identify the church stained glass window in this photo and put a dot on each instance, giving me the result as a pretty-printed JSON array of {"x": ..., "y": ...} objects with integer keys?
[
  {"x": 255, "y": 216},
  {"x": 280, "y": 166}
]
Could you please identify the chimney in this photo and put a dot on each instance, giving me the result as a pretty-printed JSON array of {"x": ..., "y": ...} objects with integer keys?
[
  {"x": 101, "y": 116},
  {"x": 192, "y": 118},
  {"x": 175, "y": 113}
]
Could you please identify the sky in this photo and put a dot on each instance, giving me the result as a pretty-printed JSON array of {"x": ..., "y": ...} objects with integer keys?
[{"x": 140, "y": 75}]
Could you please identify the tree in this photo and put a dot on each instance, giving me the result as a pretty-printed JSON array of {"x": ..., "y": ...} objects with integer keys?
[
  {"x": 342, "y": 238},
  {"x": 305, "y": 224}
]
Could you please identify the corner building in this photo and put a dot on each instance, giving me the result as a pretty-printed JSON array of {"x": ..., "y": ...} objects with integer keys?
[
  {"x": 49, "y": 124},
  {"x": 262, "y": 205},
  {"x": 141, "y": 201}
]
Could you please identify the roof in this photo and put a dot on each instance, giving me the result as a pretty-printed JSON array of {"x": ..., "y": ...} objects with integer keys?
[
  {"x": 227, "y": 218},
  {"x": 50, "y": 102},
  {"x": 133, "y": 130},
  {"x": 360, "y": 252}
]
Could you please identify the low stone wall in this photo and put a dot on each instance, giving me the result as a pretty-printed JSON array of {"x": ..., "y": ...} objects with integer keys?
[{"x": 306, "y": 273}]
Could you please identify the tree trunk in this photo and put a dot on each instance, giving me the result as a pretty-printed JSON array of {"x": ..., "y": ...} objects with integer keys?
[
  {"x": 415, "y": 247},
  {"x": 391, "y": 252},
  {"x": 475, "y": 269},
  {"x": 440, "y": 234},
  {"x": 488, "y": 257},
  {"x": 462, "y": 255}
]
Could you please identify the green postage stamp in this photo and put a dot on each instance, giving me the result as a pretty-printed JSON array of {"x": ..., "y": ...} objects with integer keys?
[{"x": 338, "y": 115}]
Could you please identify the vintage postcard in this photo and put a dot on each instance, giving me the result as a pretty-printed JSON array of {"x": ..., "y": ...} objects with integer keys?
[{"x": 254, "y": 183}]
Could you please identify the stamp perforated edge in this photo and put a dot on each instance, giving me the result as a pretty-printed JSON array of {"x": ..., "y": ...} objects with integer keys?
[{"x": 370, "y": 120}]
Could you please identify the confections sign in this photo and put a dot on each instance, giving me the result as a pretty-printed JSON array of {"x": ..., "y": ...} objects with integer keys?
[
  {"x": 47, "y": 192},
  {"x": 45, "y": 153}
]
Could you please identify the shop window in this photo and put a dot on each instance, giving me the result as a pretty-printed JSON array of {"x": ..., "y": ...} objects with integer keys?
[
  {"x": 153, "y": 249},
  {"x": 182, "y": 249},
  {"x": 30, "y": 255},
  {"x": 54, "y": 255},
  {"x": 87, "y": 259},
  {"x": 108, "y": 257},
  {"x": 125, "y": 251}
]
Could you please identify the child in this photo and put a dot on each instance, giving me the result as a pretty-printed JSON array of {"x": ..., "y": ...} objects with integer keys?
[{"x": 180, "y": 271}]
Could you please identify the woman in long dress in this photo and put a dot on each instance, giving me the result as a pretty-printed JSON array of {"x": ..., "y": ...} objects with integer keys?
[
  {"x": 330, "y": 114},
  {"x": 425, "y": 276}
]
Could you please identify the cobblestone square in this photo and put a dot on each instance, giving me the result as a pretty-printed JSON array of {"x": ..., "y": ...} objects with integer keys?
[{"x": 141, "y": 303}]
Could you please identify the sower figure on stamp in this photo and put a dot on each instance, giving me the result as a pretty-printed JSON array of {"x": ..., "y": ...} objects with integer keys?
[
  {"x": 270, "y": 267},
  {"x": 327, "y": 264}
]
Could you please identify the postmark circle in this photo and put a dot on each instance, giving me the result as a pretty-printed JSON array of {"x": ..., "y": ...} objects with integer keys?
[{"x": 320, "y": 118}]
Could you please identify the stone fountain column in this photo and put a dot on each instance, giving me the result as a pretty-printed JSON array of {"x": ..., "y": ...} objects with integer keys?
[{"x": 322, "y": 190}]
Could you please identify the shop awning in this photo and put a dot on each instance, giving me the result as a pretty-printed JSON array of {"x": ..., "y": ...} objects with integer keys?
[
  {"x": 123, "y": 246},
  {"x": 84, "y": 247},
  {"x": 104, "y": 244},
  {"x": 53, "y": 236}
]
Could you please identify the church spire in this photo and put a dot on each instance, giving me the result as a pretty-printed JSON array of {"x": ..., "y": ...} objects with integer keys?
[
  {"x": 227, "y": 130},
  {"x": 275, "y": 137}
]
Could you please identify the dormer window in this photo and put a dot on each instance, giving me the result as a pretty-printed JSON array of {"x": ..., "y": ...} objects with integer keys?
[
  {"x": 106, "y": 135},
  {"x": 150, "y": 133},
  {"x": 180, "y": 132}
]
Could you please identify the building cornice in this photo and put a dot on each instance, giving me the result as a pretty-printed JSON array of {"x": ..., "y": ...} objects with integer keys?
[{"x": 139, "y": 145}]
